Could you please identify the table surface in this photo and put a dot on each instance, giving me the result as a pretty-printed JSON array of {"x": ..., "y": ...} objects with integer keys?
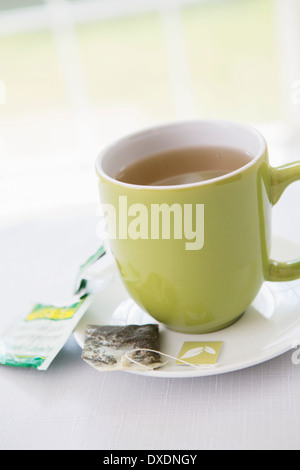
[{"x": 73, "y": 406}]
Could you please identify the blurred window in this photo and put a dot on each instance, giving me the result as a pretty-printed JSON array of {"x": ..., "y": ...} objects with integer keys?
[
  {"x": 13, "y": 4},
  {"x": 79, "y": 73}
]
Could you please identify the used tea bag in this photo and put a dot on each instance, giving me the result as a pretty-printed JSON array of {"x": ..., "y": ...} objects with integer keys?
[{"x": 107, "y": 347}]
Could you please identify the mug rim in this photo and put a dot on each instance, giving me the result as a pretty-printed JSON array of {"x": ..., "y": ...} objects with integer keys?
[{"x": 167, "y": 126}]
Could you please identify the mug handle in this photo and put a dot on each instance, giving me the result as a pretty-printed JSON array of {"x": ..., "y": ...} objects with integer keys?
[{"x": 281, "y": 178}]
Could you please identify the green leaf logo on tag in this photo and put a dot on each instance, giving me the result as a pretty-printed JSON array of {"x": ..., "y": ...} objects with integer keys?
[{"x": 200, "y": 353}]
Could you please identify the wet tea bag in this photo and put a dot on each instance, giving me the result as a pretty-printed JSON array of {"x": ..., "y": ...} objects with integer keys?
[{"x": 107, "y": 347}]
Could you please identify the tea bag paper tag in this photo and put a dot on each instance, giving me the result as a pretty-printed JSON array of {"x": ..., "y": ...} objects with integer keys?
[{"x": 204, "y": 353}]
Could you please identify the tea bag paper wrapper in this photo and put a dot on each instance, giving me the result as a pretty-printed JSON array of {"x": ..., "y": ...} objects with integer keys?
[
  {"x": 88, "y": 282},
  {"x": 37, "y": 339}
]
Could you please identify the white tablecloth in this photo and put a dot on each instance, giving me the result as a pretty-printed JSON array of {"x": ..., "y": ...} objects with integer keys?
[{"x": 72, "y": 406}]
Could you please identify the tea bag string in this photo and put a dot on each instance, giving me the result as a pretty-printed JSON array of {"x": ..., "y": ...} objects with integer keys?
[{"x": 128, "y": 354}]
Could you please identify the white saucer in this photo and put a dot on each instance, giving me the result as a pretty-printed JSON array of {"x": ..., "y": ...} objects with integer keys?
[{"x": 269, "y": 327}]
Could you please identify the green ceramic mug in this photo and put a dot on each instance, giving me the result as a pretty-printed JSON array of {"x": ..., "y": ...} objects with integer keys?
[{"x": 210, "y": 285}]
